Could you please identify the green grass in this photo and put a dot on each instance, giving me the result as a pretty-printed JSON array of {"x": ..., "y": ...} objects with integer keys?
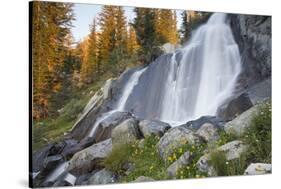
[
  {"x": 223, "y": 167},
  {"x": 257, "y": 137},
  {"x": 52, "y": 129},
  {"x": 145, "y": 160},
  {"x": 225, "y": 137},
  {"x": 191, "y": 170},
  {"x": 119, "y": 156}
]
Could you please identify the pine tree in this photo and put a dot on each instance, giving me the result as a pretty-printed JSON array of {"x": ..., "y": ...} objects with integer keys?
[
  {"x": 107, "y": 35},
  {"x": 132, "y": 44},
  {"x": 118, "y": 56},
  {"x": 90, "y": 63},
  {"x": 121, "y": 28},
  {"x": 174, "y": 31},
  {"x": 144, "y": 24},
  {"x": 166, "y": 26},
  {"x": 51, "y": 26}
]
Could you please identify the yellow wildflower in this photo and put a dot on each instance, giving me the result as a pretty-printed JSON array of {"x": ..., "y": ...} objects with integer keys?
[
  {"x": 180, "y": 150},
  {"x": 169, "y": 158}
]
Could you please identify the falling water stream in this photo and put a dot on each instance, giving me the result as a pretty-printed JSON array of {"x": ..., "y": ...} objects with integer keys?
[
  {"x": 206, "y": 74},
  {"x": 176, "y": 90}
]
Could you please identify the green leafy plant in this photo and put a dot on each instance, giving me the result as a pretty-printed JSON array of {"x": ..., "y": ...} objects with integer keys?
[
  {"x": 224, "y": 167},
  {"x": 143, "y": 156},
  {"x": 258, "y": 136}
]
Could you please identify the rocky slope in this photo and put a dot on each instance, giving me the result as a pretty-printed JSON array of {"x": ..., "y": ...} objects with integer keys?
[{"x": 78, "y": 158}]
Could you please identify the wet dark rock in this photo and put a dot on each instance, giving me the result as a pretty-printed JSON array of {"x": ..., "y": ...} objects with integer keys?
[
  {"x": 153, "y": 127},
  {"x": 51, "y": 162},
  {"x": 74, "y": 147},
  {"x": 234, "y": 107},
  {"x": 196, "y": 124},
  {"x": 39, "y": 156},
  {"x": 105, "y": 128}
]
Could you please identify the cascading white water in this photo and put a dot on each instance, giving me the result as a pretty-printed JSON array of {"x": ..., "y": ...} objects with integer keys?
[
  {"x": 192, "y": 85},
  {"x": 58, "y": 171},
  {"x": 128, "y": 88},
  {"x": 206, "y": 74},
  {"x": 133, "y": 81}
]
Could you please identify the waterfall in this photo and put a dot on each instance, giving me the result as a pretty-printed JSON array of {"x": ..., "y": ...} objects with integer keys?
[
  {"x": 133, "y": 81},
  {"x": 57, "y": 172},
  {"x": 187, "y": 84},
  {"x": 191, "y": 82},
  {"x": 127, "y": 90},
  {"x": 206, "y": 74}
]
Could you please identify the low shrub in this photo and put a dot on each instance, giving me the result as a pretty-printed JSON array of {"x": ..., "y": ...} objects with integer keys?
[
  {"x": 142, "y": 156},
  {"x": 258, "y": 136},
  {"x": 223, "y": 167}
]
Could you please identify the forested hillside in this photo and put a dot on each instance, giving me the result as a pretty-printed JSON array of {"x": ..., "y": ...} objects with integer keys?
[{"x": 67, "y": 73}]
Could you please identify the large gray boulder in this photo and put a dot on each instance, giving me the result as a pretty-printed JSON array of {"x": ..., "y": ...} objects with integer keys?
[
  {"x": 143, "y": 179},
  {"x": 258, "y": 169},
  {"x": 232, "y": 150},
  {"x": 234, "y": 107},
  {"x": 238, "y": 125},
  {"x": 102, "y": 177},
  {"x": 196, "y": 124},
  {"x": 183, "y": 161},
  {"x": 175, "y": 138},
  {"x": 126, "y": 132},
  {"x": 86, "y": 160},
  {"x": 208, "y": 132},
  {"x": 104, "y": 128},
  {"x": 153, "y": 127}
]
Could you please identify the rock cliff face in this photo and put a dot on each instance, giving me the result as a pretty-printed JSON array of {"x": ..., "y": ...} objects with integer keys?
[{"x": 253, "y": 35}]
